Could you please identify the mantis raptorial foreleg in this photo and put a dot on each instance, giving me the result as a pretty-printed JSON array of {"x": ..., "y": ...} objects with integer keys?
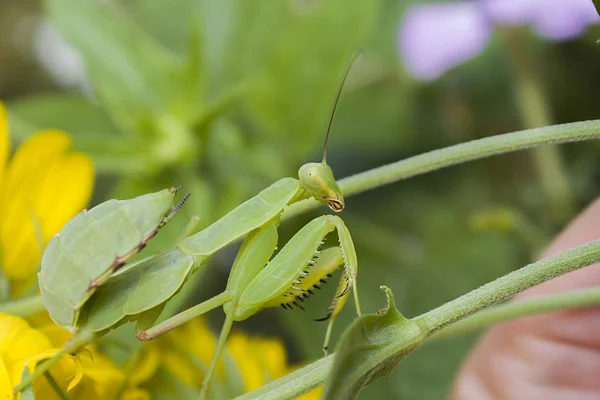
[
  {"x": 254, "y": 253},
  {"x": 256, "y": 283}
]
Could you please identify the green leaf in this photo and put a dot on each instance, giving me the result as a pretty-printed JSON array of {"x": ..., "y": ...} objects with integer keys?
[
  {"x": 88, "y": 125},
  {"x": 370, "y": 349},
  {"x": 131, "y": 73},
  {"x": 597, "y": 5},
  {"x": 70, "y": 112}
]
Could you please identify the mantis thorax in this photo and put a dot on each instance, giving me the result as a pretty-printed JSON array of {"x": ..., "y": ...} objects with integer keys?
[{"x": 317, "y": 179}]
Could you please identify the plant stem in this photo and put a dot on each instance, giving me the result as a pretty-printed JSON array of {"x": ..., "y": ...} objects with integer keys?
[
  {"x": 78, "y": 341},
  {"x": 456, "y": 154},
  {"x": 436, "y": 320},
  {"x": 54, "y": 385},
  {"x": 294, "y": 384},
  {"x": 517, "y": 309},
  {"x": 535, "y": 112},
  {"x": 23, "y": 307}
]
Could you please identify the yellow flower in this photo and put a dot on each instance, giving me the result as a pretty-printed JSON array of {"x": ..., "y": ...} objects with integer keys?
[
  {"x": 256, "y": 360},
  {"x": 41, "y": 187},
  {"x": 22, "y": 347},
  {"x": 87, "y": 375},
  {"x": 260, "y": 360}
]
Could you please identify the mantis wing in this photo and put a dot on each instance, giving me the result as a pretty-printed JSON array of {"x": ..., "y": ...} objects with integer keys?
[
  {"x": 93, "y": 243},
  {"x": 140, "y": 288}
]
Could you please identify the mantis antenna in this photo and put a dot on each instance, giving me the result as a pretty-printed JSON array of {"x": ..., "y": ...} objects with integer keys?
[{"x": 337, "y": 99}]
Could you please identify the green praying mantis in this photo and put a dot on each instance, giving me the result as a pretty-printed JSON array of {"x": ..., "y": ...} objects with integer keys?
[{"x": 86, "y": 282}]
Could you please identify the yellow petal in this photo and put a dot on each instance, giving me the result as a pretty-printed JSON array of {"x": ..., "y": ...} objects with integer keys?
[
  {"x": 65, "y": 191},
  {"x": 30, "y": 363},
  {"x": 18, "y": 340},
  {"x": 58, "y": 185},
  {"x": 4, "y": 140},
  {"x": 179, "y": 367},
  {"x": 10, "y": 328},
  {"x": 6, "y": 387},
  {"x": 20, "y": 189},
  {"x": 57, "y": 335},
  {"x": 87, "y": 353},
  {"x": 273, "y": 356},
  {"x": 30, "y": 160},
  {"x": 135, "y": 394},
  {"x": 78, "y": 374},
  {"x": 252, "y": 372},
  {"x": 104, "y": 376},
  {"x": 204, "y": 343},
  {"x": 147, "y": 364},
  {"x": 22, "y": 347}
]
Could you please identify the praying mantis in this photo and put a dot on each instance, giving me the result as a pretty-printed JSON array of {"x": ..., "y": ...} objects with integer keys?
[{"x": 86, "y": 282}]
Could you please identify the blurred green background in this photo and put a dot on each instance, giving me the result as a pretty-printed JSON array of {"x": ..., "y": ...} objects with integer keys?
[{"x": 225, "y": 97}]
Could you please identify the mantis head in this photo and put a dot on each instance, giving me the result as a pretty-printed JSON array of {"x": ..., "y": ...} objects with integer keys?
[{"x": 317, "y": 179}]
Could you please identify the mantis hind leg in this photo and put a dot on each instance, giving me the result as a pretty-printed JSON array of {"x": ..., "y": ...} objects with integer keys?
[
  {"x": 144, "y": 334},
  {"x": 229, "y": 318}
]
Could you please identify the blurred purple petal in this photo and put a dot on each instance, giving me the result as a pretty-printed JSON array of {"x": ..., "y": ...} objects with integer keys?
[
  {"x": 565, "y": 19},
  {"x": 511, "y": 12},
  {"x": 554, "y": 19},
  {"x": 436, "y": 37}
]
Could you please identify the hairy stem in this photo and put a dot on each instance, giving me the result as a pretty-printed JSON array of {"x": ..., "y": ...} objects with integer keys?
[
  {"x": 457, "y": 154},
  {"x": 436, "y": 320},
  {"x": 517, "y": 309},
  {"x": 509, "y": 285}
]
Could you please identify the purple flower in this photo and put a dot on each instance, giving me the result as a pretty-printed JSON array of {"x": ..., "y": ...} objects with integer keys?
[
  {"x": 554, "y": 19},
  {"x": 434, "y": 38}
]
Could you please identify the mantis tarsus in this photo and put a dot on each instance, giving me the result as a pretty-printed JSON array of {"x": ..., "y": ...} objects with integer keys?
[{"x": 101, "y": 294}]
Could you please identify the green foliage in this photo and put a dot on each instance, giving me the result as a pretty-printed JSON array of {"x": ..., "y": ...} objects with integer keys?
[
  {"x": 225, "y": 97},
  {"x": 221, "y": 97},
  {"x": 116, "y": 53}
]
